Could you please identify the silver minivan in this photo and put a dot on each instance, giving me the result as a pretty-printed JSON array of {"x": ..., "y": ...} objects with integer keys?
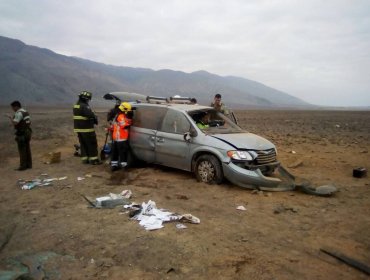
[
  {"x": 199, "y": 139},
  {"x": 203, "y": 141}
]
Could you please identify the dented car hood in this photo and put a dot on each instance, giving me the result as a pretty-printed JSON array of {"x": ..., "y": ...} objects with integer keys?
[{"x": 245, "y": 141}]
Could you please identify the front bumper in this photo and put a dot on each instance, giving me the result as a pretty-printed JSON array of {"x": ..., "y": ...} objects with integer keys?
[{"x": 254, "y": 179}]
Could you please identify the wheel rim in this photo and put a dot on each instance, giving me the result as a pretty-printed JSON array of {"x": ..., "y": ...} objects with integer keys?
[{"x": 206, "y": 171}]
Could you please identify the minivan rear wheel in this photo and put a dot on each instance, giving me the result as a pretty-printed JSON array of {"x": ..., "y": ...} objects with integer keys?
[{"x": 208, "y": 169}]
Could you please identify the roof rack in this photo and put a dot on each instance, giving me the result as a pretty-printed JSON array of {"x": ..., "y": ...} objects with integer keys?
[
  {"x": 180, "y": 99},
  {"x": 157, "y": 99}
]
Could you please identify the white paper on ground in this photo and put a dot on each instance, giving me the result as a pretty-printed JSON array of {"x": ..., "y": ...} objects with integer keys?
[
  {"x": 152, "y": 218},
  {"x": 241, "y": 207}
]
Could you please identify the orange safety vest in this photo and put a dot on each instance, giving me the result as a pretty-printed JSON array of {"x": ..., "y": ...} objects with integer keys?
[{"x": 120, "y": 127}]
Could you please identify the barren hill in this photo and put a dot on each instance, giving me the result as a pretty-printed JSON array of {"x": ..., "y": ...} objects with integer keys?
[{"x": 41, "y": 76}]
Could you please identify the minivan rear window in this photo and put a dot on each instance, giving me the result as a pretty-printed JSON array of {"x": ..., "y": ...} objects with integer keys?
[{"x": 148, "y": 117}]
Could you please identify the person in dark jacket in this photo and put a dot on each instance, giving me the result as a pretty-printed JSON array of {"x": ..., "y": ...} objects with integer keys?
[
  {"x": 23, "y": 132},
  {"x": 113, "y": 112},
  {"x": 84, "y": 121}
]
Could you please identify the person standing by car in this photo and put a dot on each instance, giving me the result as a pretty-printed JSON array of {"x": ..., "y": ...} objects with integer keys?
[
  {"x": 121, "y": 125},
  {"x": 219, "y": 106},
  {"x": 23, "y": 132},
  {"x": 84, "y": 121}
]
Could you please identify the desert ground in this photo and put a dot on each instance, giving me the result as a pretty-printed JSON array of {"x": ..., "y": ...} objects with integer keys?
[{"x": 52, "y": 232}]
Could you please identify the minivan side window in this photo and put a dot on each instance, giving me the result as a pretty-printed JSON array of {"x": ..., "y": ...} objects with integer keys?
[
  {"x": 148, "y": 117},
  {"x": 175, "y": 122}
]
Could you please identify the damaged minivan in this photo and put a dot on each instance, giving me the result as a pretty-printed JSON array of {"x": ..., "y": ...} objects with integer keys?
[
  {"x": 201, "y": 140},
  {"x": 173, "y": 132}
]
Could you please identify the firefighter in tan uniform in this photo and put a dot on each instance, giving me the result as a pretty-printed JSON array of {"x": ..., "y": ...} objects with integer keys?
[{"x": 84, "y": 120}]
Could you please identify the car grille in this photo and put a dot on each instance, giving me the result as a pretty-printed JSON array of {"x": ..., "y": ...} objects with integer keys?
[{"x": 266, "y": 156}]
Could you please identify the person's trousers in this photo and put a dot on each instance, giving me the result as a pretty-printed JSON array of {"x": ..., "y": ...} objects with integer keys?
[
  {"x": 88, "y": 146},
  {"x": 23, "y": 141},
  {"x": 119, "y": 153}
]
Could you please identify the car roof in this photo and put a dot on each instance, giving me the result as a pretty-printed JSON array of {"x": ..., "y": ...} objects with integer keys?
[{"x": 176, "y": 106}]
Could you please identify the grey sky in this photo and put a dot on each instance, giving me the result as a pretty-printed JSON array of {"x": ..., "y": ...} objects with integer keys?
[{"x": 316, "y": 50}]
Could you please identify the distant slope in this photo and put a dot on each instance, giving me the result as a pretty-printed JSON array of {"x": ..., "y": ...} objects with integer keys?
[{"x": 40, "y": 76}]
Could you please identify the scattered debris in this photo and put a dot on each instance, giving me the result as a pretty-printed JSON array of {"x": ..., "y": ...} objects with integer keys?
[
  {"x": 181, "y": 226},
  {"x": 325, "y": 190},
  {"x": 152, "y": 218},
  {"x": 80, "y": 178},
  {"x": 241, "y": 208},
  {"x": 337, "y": 126},
  {"x": 110, "y": 201},
  {"x": 359, "y": 172},
  {"x": 347, "y": 260},
  {"x": 126, "y": 194},
  {"x": 42, "y": 180},
  {"x": 293, "y": 152},
  {"x": 296, "y": 164}
]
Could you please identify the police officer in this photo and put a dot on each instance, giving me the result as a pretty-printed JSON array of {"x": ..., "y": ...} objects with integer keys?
[
  {"x": 121, "y": 124},
  {"x": 23, "y": 132},
  {"x": 84, "y": 121}
]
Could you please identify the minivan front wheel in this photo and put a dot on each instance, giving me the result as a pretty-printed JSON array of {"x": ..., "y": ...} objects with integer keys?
[{"x": 208, "y": 169}]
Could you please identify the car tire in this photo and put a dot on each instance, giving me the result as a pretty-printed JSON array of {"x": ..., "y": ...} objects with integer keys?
[{"x": 208, "y": 170}]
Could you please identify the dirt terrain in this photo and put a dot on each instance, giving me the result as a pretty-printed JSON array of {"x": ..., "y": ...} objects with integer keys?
[{"x": 53, "y": 231}]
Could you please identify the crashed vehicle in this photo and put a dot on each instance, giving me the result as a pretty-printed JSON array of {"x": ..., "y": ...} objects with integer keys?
[{"x": 167, "y": 132}]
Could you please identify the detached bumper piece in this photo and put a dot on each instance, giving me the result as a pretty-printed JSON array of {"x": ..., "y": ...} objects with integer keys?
[{"x": 285, "y": 181}]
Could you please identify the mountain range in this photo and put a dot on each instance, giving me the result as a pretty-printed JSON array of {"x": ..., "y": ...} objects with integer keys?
[{"x": 38, "y": 76}]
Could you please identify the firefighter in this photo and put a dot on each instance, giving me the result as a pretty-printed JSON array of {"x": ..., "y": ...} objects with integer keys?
[
  {"x": 121, "y": 124},
  {"x": 23, "y": 132},
  {"x": 84, "y": 121}
]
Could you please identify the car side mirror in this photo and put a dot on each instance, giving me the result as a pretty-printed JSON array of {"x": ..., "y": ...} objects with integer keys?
[{"x": 190, "y": 134}]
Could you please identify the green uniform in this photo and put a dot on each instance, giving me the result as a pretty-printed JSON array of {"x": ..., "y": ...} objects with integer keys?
[
  {"x": 23, "y": 133},
  {"x": 222, "y": 108}
]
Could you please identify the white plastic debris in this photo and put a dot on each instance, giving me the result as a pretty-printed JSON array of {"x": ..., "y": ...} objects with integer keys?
[
  {"x": 181, "y": 226},
  {"x": 152, "y": 218},
  {"x": 241, "y": 208},
  {"x": 80, "y": 178},
  {"x": 126, "y": 194},
  {"x": 112, "y": 200}
]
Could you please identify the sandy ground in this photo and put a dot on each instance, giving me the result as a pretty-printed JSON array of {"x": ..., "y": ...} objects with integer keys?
[{"x": 279, "y": 236}]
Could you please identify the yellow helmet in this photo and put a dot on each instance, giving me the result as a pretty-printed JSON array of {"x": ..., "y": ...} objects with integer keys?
[{"x": 125, "y": 107}]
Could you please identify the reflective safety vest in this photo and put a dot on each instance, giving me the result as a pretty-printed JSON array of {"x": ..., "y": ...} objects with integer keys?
[
  {"x": 83, "y": 117},
  {"x": 121, "y": 125},
  {"x": 202, "y": 125}
]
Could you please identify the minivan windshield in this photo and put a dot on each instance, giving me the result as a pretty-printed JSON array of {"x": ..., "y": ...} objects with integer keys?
[{"x": 213, "y": 122}]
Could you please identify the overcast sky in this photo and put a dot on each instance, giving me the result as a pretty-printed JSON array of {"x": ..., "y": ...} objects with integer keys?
[{"x": 317, "y": 50}]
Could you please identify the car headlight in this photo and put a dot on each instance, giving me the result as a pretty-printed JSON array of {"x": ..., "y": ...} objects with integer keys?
[{"x": 240, "y": 155}]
